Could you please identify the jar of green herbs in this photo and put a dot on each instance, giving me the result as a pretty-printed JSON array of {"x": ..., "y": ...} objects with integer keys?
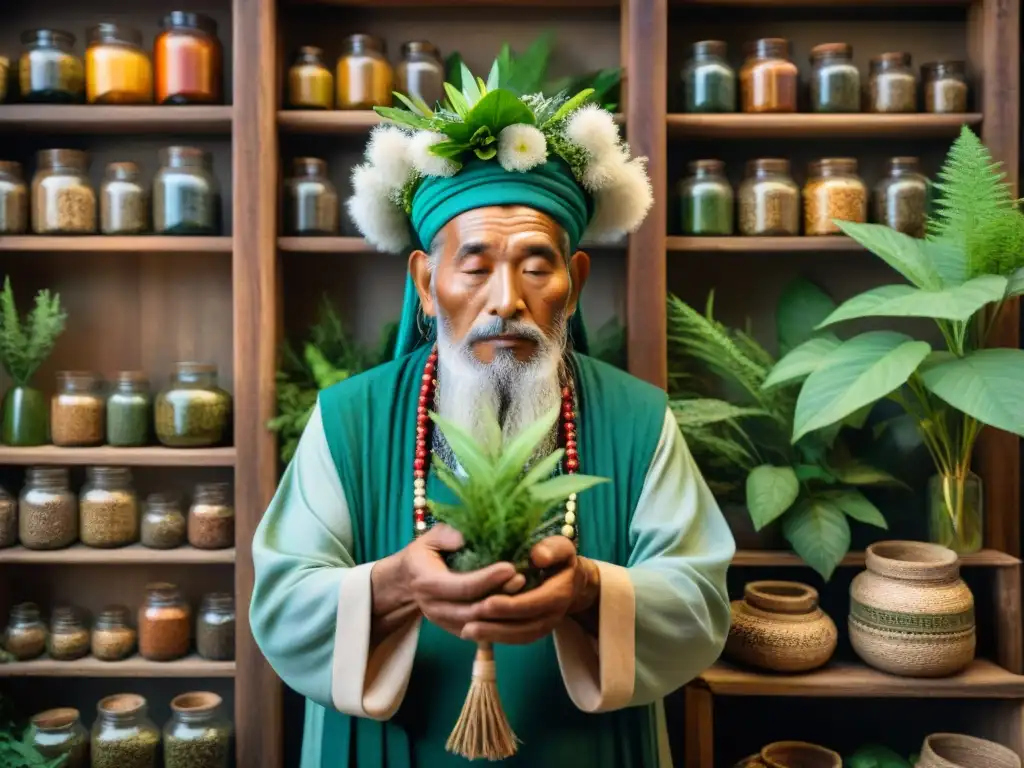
[
  {"x": 123, "y": 736},
  {"x": 128, "y": 410},
  {"x": 707, "y": 199},
  {"x": 835, "y": 79},
  {"x": 59, "y": 732},
  {"x": 8, "y": 519},
  {"x": 197, "y": 735},
  {"x": 163, "y": 522},
  {"x": 193, "y": 412},
  {"x": 709, "y": 83}
]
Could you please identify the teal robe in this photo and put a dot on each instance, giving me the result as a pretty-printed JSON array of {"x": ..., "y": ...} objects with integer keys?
[{"x": 368, "y": 423}]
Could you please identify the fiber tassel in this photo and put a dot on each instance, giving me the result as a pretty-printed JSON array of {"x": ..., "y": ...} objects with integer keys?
[{"x": 483, "y": 730}]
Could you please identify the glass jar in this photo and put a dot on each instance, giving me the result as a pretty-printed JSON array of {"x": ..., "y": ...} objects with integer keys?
[
  {"x": 63, "y": 200},
  {"x": 109, "y": 508},
  {"x": 164, "y": 624},
  {"x": 186, "y": 196},
  {"x": 364, "y": 77},
  {"x": 129, "y": 409},
  {"x": 707, "y": 199},
  {"x": 310, "y": 81},
  {"x": 709, "y": 82},
  {"x": 163, "y": 522},
  {"x": 193, "y": 412},
  {"x": 47, "y": 510},
  {"x": 188, "y": 60},
  {"x": 420, "y": 74},
  {"x": 113, "y": 638},
  {"x": 124, "y": 203},
  {"x": 77, "y": 410},
  {"x": 123, "y": 736},
  {"x": 768, "y": 79},
  {"x": 8, "y": 520},
  {"x": 117, "y": 70},
  {"x": 69, "y": 636},
  {"x": 833, "y": 191},
  {"x": 215, "y": 627},
  {"x": 5, "y": 73},
  {"x": 13, "y": 199},
  {"x": 59, "y": 732},
  {"x": 49, "y": 71},
  {"x": 835, "y": 79},
  {"x": 25, "y": 636},
  {"x": 769, "y": 199},
  {"x": 311, "y": 201},
  {"x": 945, "y": 87},
  {"x": 956, "y": 512},
  {"x": 901, "y": 198},
  {"x": 892, "y": 86},
  {"x": 197, "y": 735},
  {"x": 211, "y": 518}
]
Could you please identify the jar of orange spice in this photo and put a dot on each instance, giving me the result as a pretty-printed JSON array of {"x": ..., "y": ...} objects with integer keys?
[
  {"x": 188, "y": 60},
  {"x": 165, "y": 622},
  {"x": 117, "y": 70},
  {"x": 768, "y": 79}
]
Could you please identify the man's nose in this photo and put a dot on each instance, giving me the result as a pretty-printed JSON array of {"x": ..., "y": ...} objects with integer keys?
[{"x": 506, "y": 298}]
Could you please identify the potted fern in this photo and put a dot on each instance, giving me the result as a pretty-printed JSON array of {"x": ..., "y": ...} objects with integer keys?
[
  {"x": 961, "y": 276},
  {"x": 24, "y": 346}
]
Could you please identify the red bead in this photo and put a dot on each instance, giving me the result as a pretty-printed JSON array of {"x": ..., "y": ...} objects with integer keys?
[
  {"x": 572, "y": 465},
  {"x": 422, "y": 419},
  {"x": 570, "y": 452},
  {"x": 420, "y": 515},
  {"x": 419, "y": 465},
  {"x": 423, "y": 401},
  {"x": 421, "y": 432},
  {"x": 566, "y": 393},
  {"x": 421, "y": 452},
  {"x": 427, "y": 379},
  {"x": 568, "y": 415},
  {"x": 419, "y": 474}
]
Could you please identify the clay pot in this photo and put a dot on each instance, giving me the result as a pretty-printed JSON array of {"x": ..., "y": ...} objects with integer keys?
[
  {"x": 778, "y": 626},
  {"x": 952, "y": 750},
  {"x": 792, "y": 754},
  {"x": 910, "y": 613}
]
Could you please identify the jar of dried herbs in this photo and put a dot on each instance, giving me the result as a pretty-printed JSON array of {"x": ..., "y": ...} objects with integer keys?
[
  {"x": 5, "y": 71},
  {"x": 211, "y": 518},
  {"x": 78, "y": 410},
  {"x": 165, "y": 623},
  {"x": 129, "y": 410},
  {"x": 709, "y": 82},
  {"x": 186, "y": 196},
  {"x": 311, "y": 201},
  {"x": 310, "y": 81},
  {"x": 215, "y": 627},
  {"x": 113, "y": 637},
  {"x": 163, "y": 522},
  {"x": 835, "y": 79},
  {"x": 901, "y": 198},
  {"x": 197, "y": 735},
  {"x": 768, "y": 79},
  {"x": 8, "y": 519},
  {"x": 47, "y": 510},
  {"x": 707, "y": 199},
  {"x": 892, "y": 86},
  {"x": 13, "y": 199},
  {"x": 945, "y": 87},
  {"x": 25, "y": 636},
  {"x": 109, "y": 508},
  {"x": 69, "y": 636},
  {"x": 833, "y": 191},
  {"x": 123, "y": 736},
  {"x": 193, "y": 412},
  {"x": 420, "y": 73},
  {"x": 124, "y": 204},
  {"x": 63, "y": 200},
  {"x": 59, "y": 732},
  {"x": 49, "y": 72},
  {"x": 769, "y": 199}
]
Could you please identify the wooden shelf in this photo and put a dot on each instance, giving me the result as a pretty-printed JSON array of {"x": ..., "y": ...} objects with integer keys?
[
  {"x": 808, "y": 244},
  {"x": 327, "y": 122},
  {"x": 115, "y": 244},
  {"x": 771, "y": 558},
  {"x": 136, "y": 666},
  {"x": 88, "y": 118},
  {"x": 136, "y": 554},
  {"x": 324, "y": 245},
  {"x": 809, "y": 126},
  {"x": 981, "y": 680},
  {"x": 463, "y": 3},
  {"x": 822, "y": 3},
  {"x": 121, "y": 457}
]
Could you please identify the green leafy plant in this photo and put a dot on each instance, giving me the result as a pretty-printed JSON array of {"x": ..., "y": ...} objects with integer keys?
[
  {"x": 739, "y": 430},
  {"x": 960, "y": 276},
  {"x": 504, "y": 501},
  {"x": 15, "y": 750},
  {"x": 877, "y": 756},
  {"x": 25, "y": 344}
]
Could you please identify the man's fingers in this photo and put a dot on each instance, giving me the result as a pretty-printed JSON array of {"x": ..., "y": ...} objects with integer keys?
[
  {"x": 514, "y": 584},
  {"x": 443, "y": 538},
  {"x": 442, "y": 584},
  {"x": 451, "y": 616},
  {"x": 554, "y": 551},
  {"x": 511, "y": 633},
  {"x": 552, "y": 596}
]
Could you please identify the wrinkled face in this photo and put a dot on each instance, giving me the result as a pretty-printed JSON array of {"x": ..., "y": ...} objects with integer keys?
[{"x": 501, "y": 280}]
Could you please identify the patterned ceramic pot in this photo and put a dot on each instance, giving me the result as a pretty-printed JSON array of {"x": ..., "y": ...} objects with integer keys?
[
  {"x": 910, "y": 613},
  {"x": 793, "y": 754},
  {"x": 951, "y": 750},
  {"x": 779, "y": 626}
]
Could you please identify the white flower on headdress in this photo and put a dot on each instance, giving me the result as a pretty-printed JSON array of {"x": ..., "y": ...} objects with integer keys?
[
  {"x": 594, "y": 129},
  {"x": 388, "y": 152},
  {"x": 374, "y": 211},
  {"x": 621, "y": 205},
  {"x": 521, "y": 147},
  {"x": 604, "y": 170},
  {"x": 425, "y": 161}
]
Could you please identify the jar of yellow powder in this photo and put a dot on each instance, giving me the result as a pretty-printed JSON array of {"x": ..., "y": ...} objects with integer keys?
[{"x": 117, "y": 70}]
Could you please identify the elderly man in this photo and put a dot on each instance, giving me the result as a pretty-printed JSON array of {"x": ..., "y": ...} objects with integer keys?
[{"x": 354, "y": 606}]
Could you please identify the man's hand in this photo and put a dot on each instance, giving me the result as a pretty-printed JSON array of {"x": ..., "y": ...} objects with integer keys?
[{"x": 571, "y": 588}]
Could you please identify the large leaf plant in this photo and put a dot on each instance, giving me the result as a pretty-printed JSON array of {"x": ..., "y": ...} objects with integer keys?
[
  {"x": 739, "y": 431},
  {"x": 960, "y": 276}
]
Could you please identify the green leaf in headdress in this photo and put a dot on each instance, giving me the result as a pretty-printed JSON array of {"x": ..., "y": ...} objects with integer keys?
[{"x": 498, "y": 110}]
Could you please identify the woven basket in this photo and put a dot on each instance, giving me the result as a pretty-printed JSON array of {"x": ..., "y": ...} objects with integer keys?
[
  {"x": 952, "y": 750},
  {"x": 792, "y": 754}
]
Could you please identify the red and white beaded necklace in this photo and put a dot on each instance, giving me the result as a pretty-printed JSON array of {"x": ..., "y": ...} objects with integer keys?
[{"x": 421, "y": 461}]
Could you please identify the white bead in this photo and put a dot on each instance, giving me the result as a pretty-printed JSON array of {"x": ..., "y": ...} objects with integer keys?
[
  {"x": 419, "y": 482},
  {"x": 417, "y": 492},
  {"x": 570, "y": 506},
  {"x": 572, "y": 497},
  {"x": 419, "y": 502},
  {"x": 570, "y": 517},
  {"x": 421, "y": 525},
  {"x": 568, "y": 531}
]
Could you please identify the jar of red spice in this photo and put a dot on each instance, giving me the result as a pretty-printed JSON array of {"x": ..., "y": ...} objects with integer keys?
[
  {"x": 188, "y": 60},
  {"x": 211, "y": 518},
  {"x": 165, "y": 622},
  {"x": 768, "y": 79}
]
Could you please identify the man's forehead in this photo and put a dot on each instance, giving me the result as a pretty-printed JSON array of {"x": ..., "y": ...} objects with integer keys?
[{"x": 489, "y": 226}]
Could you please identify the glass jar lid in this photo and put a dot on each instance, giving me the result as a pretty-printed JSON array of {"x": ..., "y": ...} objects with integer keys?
[
  {"x": 707, "y": 49},
  {"x": 362, "y": 43},
  {"x": 826, "y": 51},
  {"x": 78, "y": 381},
  {"x": 184, "y": 157},
  {"x": 49, "y": 38},
  {"x": 122, "y": 171},
  {"x": 420, "y": 48},
  {"x": 65, "y": 618},
  {"x": 10, "y": 168},
  {"x": 112, "y": 616},
  {"x": 109, "y": 475},
  {"x": 707, "y": 167},
  {"x": 130, "y": 381},
  {"x": 907, "y": 164},
  {"x": 934, "y": 69},
  {"x": 25, "y": 613},
  {"x": 109, "y": 33},
  {"x": 212, "y": 493},
  {"x": 309, "y": 166},
  {"x": 890, "y": 60},
  {"x": 53, "y": 478},
  {"x": 56, "y": 720},
  {"x": 187, "y": 20},
  {"x": 59, "y": 159},
  {"x": 769, "y": 48},
  {"x": 309, "y": 54},
  {"x": 218, "y": 602},
  {"x": 163, "y": 502},
  {"x": 765, "y": 165},
  {"x": 832, "y": 165},
  {"x": 162, "y": 593},
  {"x": 198, "y": 705},
  {"x": 121, "y": 706}
]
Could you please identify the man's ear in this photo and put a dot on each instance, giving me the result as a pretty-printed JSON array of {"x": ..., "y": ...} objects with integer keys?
[
  {"x": 419, "y": 270},
  {"x": 579, "y": 271}
]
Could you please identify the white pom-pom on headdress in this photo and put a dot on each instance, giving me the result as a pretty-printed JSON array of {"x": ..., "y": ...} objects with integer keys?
[
  {"x": 521, "y": 147},
  {"x": 375, "y": 212},
  {"x": 621, "y": 205},
  {"x": 426, "y": 162},
  {"x": 388, "y": 152},
  {"x": 593, "y": 129}
]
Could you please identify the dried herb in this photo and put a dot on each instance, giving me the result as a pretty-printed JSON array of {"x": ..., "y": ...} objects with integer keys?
[{"x": 208, "y": 749}]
